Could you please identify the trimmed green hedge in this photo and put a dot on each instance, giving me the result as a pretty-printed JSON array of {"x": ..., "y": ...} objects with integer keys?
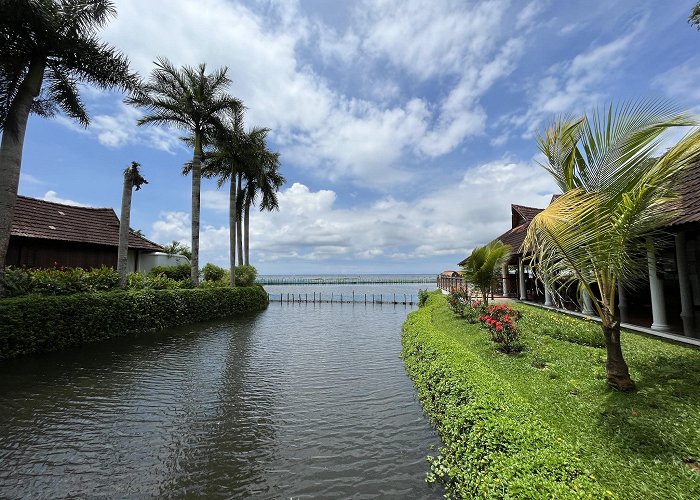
[
  {"x": 561, "y": 326},
  {"x": 40, "y": 324},
  {"x": 494, "y": 444}
]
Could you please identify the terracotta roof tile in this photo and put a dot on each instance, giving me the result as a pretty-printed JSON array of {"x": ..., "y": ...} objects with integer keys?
[
  {"x": 35, "y": 218},
  {"x": 528, "y": 213},
  {"x": 690, "y": 197}
]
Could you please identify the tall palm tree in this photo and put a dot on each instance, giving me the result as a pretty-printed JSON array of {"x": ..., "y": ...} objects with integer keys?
[
  {"x": 189, "y": 99},
  {"x": 483, "y": 265},
  {"x": 132, "y": 180},
  {"x": 616, "y": 196},
  {"x": 47, "y": 47},
  {"x": 261, "y": 176},
  {"x": 225, "y": 159}
]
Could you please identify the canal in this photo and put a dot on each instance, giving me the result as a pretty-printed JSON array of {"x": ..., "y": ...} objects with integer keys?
[{"x": 302, "y": 400}]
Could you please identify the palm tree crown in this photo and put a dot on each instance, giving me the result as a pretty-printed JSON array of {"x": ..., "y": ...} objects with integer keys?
[{"x": 483, "y": 265}]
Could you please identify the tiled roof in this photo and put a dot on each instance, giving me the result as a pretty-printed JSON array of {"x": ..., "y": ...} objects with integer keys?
[
  {"x": 528, "y": 213},
  {"x": 55, "y": 221},
  {"x": 690, "y": 197}
]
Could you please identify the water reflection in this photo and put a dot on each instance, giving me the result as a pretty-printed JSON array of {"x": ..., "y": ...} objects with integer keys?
[{"x": 299, "y": 400}]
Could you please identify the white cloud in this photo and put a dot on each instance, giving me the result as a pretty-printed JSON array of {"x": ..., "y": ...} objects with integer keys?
[
  {"x": 682, "y": 82},
  {"x": 53, "y": 196},
  {"x": 309, "y": 227}
]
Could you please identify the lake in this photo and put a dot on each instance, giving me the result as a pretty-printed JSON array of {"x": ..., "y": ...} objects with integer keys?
[{"x": 300, "y": 401}]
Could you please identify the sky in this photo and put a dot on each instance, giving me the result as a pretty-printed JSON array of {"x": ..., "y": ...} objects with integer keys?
[{"x": 405, "y": 128}]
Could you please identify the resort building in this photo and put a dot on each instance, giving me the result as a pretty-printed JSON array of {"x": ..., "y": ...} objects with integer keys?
[
  {"x": 46, "y": 234},
  {"x": 667, "y": 301}
]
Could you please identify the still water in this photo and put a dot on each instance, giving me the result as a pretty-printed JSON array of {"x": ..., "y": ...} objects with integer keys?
[{"x": 299, "y": 401}]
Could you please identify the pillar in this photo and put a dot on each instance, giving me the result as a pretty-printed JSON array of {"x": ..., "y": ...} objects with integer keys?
[
  {"x": 521, "y": 279},
  {"x": 506, "y": 281},
  {"x": 622, "y": 303},
  {"x": 683, "y": 277},
  {"x": 656, "y": 288},
  {"x": 588, "y": 309},
  {"x": 547, "y": 294}
]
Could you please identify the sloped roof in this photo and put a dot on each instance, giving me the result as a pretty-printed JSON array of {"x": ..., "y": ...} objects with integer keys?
[
  {"x": 690, "y": 198},
  {"x": 528, "y": 213},
  {"x": 35, "y": 218}
]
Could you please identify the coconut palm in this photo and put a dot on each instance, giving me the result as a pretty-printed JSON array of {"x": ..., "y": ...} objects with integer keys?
[
  {"x": 483, "y": 265},
  {"x": 189, "y": 99},
  {"x": 132, "y": 180},
  {"x": 616, "y": 196},
  {"x": 48, "y": 47},
  {"x": 261, "y": 175}
]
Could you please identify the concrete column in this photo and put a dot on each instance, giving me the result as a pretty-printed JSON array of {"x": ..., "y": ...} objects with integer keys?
[
  {"x": 622, "y": 303},
  {"x": 587, "y": 309},
  {"x": 521, "y": 279},
  {"x": 683, "y": 278},
  {"x": 547, "y": 294},
  {"x": 506, "y": 281},
  {"x": 656, "y": 287}
]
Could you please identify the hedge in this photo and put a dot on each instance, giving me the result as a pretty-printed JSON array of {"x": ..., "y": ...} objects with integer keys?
[
  {"x": 36, "y": 324},
  {"x": 561, "y": 326},
  {"x": 494, "y": 444}
]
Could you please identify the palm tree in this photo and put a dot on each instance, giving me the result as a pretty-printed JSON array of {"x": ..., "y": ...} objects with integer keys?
[
  {"x": 225, "y": 160},
  {"x": 132, "y": 180},
  {"x": 262, "y": 176},
  {"x": 189, "y": 99},
  {"x": 616, "y": 196},
  {"x": 483, "y": 265},
  {"x": 48, "y": 46}
]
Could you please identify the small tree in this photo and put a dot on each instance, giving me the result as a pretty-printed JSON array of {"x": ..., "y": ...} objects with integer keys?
[
  {"x": 178, "y": 248},
  {"x": 483, "y": 265},
  {"x": 132, "y": 180}
]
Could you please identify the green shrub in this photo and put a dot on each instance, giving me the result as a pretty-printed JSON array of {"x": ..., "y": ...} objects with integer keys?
[
  {"x": 102, "y": 278},
  {"x": 215, "y": 284},
  {"x": 494, "y": 444},
  {"x": 423, "y": 297},
  {"x": 213, "y": 273},
  {"x": 562, "y": 326},
  {"x": 177, "y": 273},
  {"x": 17, "y": 281},
  {"x": 500, "y": 320},
  {"x": 34, "y": 324},
  {"x": 245, "y": 275},
  {"x": 59, "y": 281},
  {"x": 473, "y": 310},
  {"x": 457, "y": 299}
]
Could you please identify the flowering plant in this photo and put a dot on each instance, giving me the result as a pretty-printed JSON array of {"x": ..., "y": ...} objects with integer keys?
[{"x": 500, "y": 320}]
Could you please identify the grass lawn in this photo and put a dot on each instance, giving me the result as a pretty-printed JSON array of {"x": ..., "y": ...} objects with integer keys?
[{"x": 644, "y": 444}]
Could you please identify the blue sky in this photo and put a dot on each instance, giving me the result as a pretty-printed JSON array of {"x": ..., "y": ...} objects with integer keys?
[{"x": 406, "y": 129}]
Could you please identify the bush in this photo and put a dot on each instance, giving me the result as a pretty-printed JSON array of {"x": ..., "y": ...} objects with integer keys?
[
  {"x": 36, "y": 324},
  {"x": 213, "y": 273},
  {"x": 17, "y": 281},
  {"x": 562, "y": 326},
  {"x": 101, "y": 279},
  {"x": 457, "y": 299},
  {"x": 473, "y": 310},
  {"x": 245, "y": 275},
  {"x": 500, "y": 321},
  {"x": 177, "y": 273},
  {"x": 494, "y": 444},
  {"x": 423, "y": 297},
  {"x": 59, "y": 281}
]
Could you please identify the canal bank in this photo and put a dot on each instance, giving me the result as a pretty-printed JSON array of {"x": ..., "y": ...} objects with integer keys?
[{"x": 298, "y": 400}]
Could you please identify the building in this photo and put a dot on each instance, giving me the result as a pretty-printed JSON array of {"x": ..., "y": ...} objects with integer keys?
[
  {"x": 46, "y": 234},
  {"x": 667, "y": 301}
]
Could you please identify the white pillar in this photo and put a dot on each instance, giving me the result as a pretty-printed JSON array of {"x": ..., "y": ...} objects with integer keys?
[
  {"x": 656, "y": 287},
  {"x": 506, "y": 281},
  {"x": 622, "y": 303},
  {"x": 547, "y": 294},
  {"x": 521, "y": 279},
  {"x": 683, "y": 278},
  {"x": 588, "y": 309}
]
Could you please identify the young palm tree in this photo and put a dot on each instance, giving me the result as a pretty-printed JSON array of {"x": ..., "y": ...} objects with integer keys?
[
  {"x": 189, "y": 99},
  {"x": 616, "y": 196},
  {"x": 132, "y": 180},
  {"x": 47, "y": 47},
  {"x": 483, "y": 265}
]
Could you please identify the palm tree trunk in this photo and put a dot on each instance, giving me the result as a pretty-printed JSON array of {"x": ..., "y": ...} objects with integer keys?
[
  {"x": 196, "y": 189},
  {"x": 616, "y": 367},
  {"x": 239, "y": 231},
  {"x": 232, "y": 216},
  {"x": 124, "y": 220},
  {"x": 246, "y": 234},
  {"x": 11, "y": 153}
]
